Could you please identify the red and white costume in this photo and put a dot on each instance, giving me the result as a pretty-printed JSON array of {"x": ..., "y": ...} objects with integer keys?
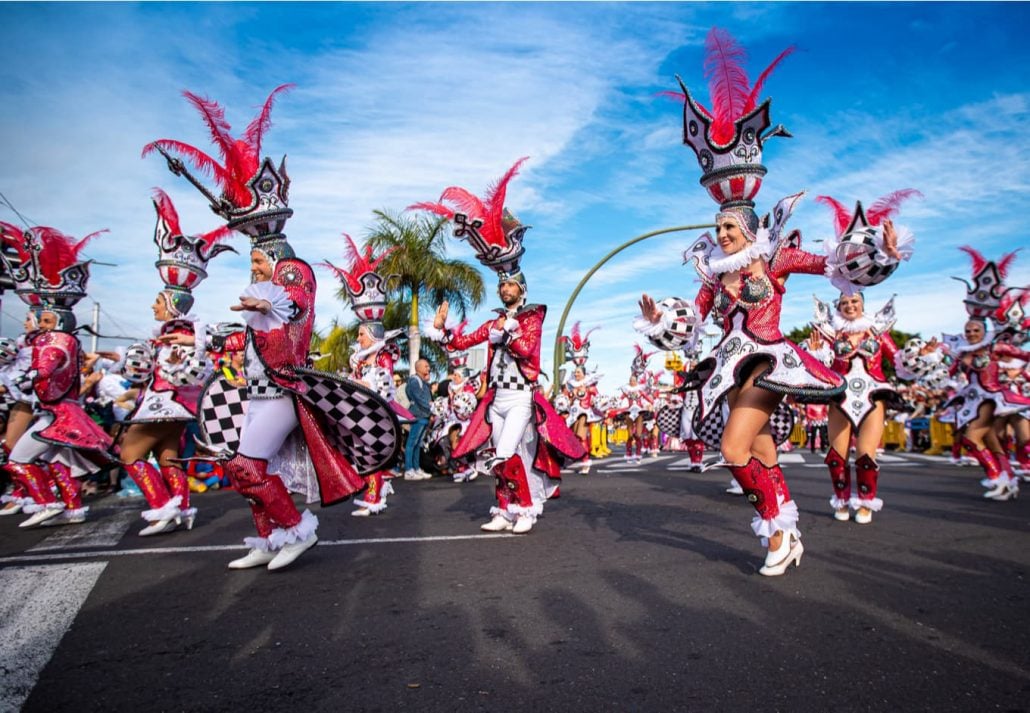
[
  {"x": 530, "y": 440},
  {"x": 63, "y": 437}
]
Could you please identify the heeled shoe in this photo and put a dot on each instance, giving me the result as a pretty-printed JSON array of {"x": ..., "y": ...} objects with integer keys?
[
  {"x": 254, "y": 558},
  {"x": 156, "y": 528},
  {"x": 735, "y": 488},
  {"x": 292, "y": 551},
  {"x": 843, "y": 515},
  {"x": 777, "y": 561},
  {"x": 1004, "y": 491},
  {"x": 187, "y": 518},
  {"x": 863, "y": 516}
]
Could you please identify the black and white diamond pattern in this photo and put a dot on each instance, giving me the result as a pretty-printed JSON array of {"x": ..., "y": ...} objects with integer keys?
[
  {"x": 781, "y": 423},
  {"x": 668, "y": 419},
  {"x": 220, "y": 415},
  {"x": 359, "y": 422}
]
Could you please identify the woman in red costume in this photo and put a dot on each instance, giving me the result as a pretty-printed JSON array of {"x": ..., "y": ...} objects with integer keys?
[
  {"x": 372, "y": 363},
  {"x": 582, "y": 394},
  {"x": 18, "y": 392},
  {"x": 985, "y": 398},
  {"x": 743, "y": 271},
  {"x": 300, "y": 425},
  {"x": 530, "y": 440},
  {"x": 636, "y": 404},
  {"x": 170, "y": 375},
  {"x": 51, "y": 279},
  {"x": 855, "y": 347}
]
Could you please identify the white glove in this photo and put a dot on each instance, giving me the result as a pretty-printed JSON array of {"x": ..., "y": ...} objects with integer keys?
[
  {"x": 511, "y": 326},
  {"x": 497, "y": 336}
]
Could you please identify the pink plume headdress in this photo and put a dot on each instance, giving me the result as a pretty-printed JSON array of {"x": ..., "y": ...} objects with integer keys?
[
  {"x": 254, "y": 193},
  {"x": 577, "y": 345},
  {"x": 728, "y": 137},
  {"x": 493, "y": 232},
  {"x": 984, "y": 295},
  {"x": 366, "y": 287}
]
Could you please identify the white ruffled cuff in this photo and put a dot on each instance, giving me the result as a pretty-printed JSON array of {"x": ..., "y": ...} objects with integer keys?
[
  {"x": 166, "y": 512},
  {"x": 874, "y": 504},
  {"x": 786, "y": 520},
  {"x": 298, "y": 533},
  {"x": 839, "y": 503},
  {"x": 258, "y": 543},
  {"x": 495, "y": 511},
  {"x": 32, "y": 507},
  {"x": 823, "y": 354},
  {"x": 279, "y": 314},
  {"x": 534, "y": 511},
  {"x": 671, "y": 332},
  {"x": 430, "y": 331}
]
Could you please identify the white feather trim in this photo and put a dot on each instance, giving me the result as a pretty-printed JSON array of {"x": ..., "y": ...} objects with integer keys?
[
  {"x": 166, "y": 512},
  {"x": 874, "y": 504},
  {"x": 851, "y": 326},
  {"x": 719, "y": 262},
  {"x": 258, "y": 543},
  {"x": 786, "y": 520},
  {"x": 431, "y": 332},
  {"x": 277, "y": 297},
  {"x": 298, "y": 533}
]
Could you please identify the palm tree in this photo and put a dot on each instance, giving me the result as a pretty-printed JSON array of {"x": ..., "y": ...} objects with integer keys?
[{"x": 422, "y": 269}]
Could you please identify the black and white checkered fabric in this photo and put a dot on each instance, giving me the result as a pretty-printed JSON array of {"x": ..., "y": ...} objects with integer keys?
[
  {"x": 864, "y": 264},
  {"x": 682, "y": 333},
  {"x": 263, "y": 389},
  {"x": 359, "y": 422},
  {"x": 511, "y": 380},
  {"x": 220, "y": 415},
  {"x": 781, "y": 423},
  {"x": 668, "y": 419}
]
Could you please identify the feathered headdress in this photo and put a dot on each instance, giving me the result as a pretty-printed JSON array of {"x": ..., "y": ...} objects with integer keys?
[
  {"x": 493, "y": 232},
  {"x": 727, "y": 138},
  {"x": 182, "y": 259},
  {"x": 254, "y": 193},
  {"x": 985, "y": 293},
  {"x": 365, "y": 286},
  {"x": 577, "y": 345},
  {"x": 858, "y": 242},
  {"x": 638, "y": 367},
  {"x": 50, "y": 276}
]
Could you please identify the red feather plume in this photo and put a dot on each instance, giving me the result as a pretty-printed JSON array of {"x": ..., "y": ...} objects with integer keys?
[
  {"x": 15, "y": 237},
  {"x": 358, "y": 263},
  {"x": 59, "y": 251},
  {"x": 1005, "y": 263},
  {"x": 979, "y": 261},
  {"x": 841, "y": 214},
  {"x": 166, "y": 210},
  {"x": 888, "y": 205},
  {"x": 727, "y": 82},
  {"x": 752, "y": 99}
]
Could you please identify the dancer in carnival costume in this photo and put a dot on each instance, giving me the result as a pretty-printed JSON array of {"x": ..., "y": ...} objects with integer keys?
[
  {"x": 170, "y": 375},
  {"x": 581, "y": 391},
  {"x": 855, "y": 347},
  {"x": 18, "y": 395},
  {"x": 303, "y": 426},
  {"x": 1013, "y": 320},
  {"x": 453, "y": 415},
  {"x": 743, "y": 271},
  {"x": 51, "y": 280},
  {"x": 636, "y": 403},
  {"x": 530, "y": 440},
  {"x": 377, "y": 352},
  {"x": 985, "y": 399}
]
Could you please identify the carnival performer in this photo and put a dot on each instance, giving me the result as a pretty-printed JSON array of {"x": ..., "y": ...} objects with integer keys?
[
  {"x": 292, "y": 429},
  {"x": 855, "y": 346},
  {"x": 985, "y": 398},
  {"x": 581, "y": 391},
  {"x": 689, "y": 437},
  {"x": 530, "y": 440},
  {"x": 169, "y": 375},
  {"x": 453, "y": 415},
  {"x": 743, "y": 272},
  {"x": 17, "y": 360},
  {"x": 1013, "y": 323},
  {"x": 51, "y": 280},
  {"x": 372, "y": 363},
  {"x": 636, "y": 404}
]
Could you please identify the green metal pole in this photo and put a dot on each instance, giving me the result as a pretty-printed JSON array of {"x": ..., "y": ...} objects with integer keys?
[{"x": 559, "y": 353}]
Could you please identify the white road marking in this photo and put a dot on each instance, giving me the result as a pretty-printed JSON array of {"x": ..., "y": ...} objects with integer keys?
[
  {"x": 791, "y": 458},
  {"x": 228, "y": 548},
  {"x": 106, "y": 532},
  {"x": 37, "y": 605}
]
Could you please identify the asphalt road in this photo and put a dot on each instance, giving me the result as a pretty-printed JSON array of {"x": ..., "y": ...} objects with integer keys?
[{"x": 637, "y": 591}]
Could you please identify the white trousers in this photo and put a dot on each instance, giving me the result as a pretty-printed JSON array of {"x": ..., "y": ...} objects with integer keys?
[
  {"x": 268, "y": 424},
  {"x": 513, "y": 433}
]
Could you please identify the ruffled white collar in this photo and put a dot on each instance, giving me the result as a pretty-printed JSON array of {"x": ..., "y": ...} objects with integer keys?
[
  {"x": 841, "y": 323},
  {"x": 983, "y": 343},
  {"x": 719, "y": 262}
]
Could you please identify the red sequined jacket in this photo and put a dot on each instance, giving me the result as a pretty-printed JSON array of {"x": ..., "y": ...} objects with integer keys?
[{"x": 524, "y": 348}]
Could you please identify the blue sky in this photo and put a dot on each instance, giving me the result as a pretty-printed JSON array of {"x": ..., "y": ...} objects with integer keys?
[{"x": 396, "y": 101}]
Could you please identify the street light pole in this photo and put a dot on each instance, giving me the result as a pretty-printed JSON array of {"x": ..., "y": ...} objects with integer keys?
[{"x": 558, "y": 353}]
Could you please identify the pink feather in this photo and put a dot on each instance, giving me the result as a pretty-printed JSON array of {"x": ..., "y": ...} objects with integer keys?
[
  {"x": 888, "y": 205},
  {"x": 727, "y": 82},
  {"x": 1005, "y": 263},
  {"x": 979, "y": 261},
  {"x": 841, "y": 215},
  {"x": 756, "y": 90},
  {"x": 255, "y": 131},
  {"x": 214, "y": 116},
  {"x": 438, "y": 208},
  {"x": 166, "y": 210}
]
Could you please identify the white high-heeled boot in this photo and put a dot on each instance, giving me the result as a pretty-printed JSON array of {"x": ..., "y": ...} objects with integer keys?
[{"x": 777, "y": 561}]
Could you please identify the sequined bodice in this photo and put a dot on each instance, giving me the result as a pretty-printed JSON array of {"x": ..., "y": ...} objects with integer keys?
[
  {"x": 759, "y": 300},
  {"x": 868, "y": 349}
]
